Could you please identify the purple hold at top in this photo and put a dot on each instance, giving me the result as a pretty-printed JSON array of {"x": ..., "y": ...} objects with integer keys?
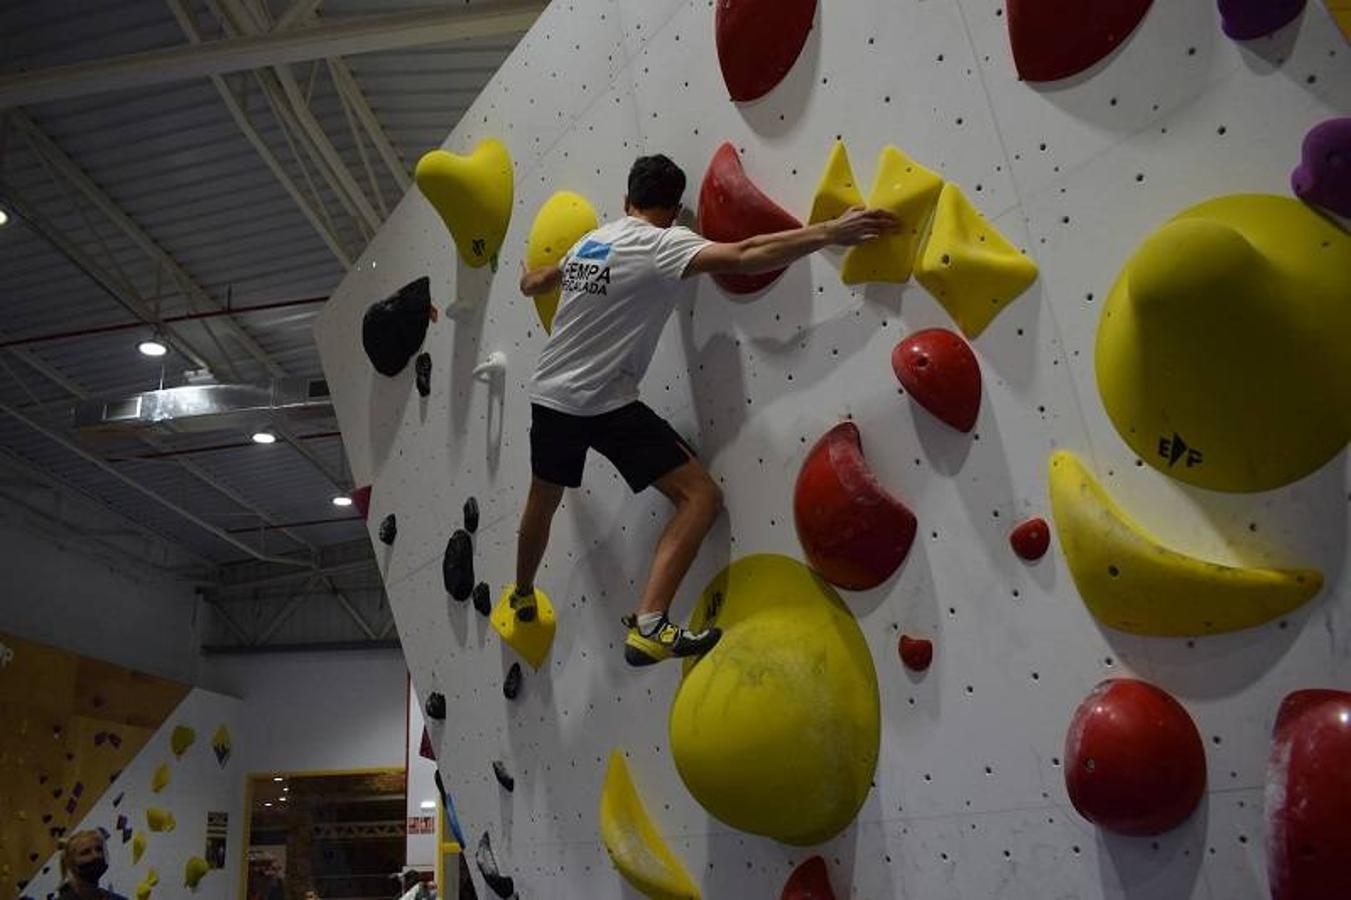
[
  {"x": 1323, "y": 176},
  {"x": 1244, "y": 20}
]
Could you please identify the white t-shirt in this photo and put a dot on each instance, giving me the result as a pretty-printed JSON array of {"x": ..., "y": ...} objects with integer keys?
[{"x": 620, "y": 283}]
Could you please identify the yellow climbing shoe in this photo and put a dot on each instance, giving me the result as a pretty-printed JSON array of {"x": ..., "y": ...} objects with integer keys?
[{"x": 665, "y": 640}]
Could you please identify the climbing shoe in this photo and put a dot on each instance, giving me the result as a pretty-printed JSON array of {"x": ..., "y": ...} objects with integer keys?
[
  {"x": 524, "y": 606},
  {"x": 665, "y": 640}
]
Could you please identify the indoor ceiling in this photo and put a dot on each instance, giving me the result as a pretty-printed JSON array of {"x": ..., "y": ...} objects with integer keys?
[{"x": 167, "y": 166}]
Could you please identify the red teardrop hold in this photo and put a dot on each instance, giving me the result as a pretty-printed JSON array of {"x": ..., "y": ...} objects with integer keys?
[
  {"x": 732, "y": 209},
  {"x": 853, "y": 532},
  {"x": 1054, "y": 39},
  {"x": 938, "y": 369},
  {"x": 1134, "y": 762},
  {"x": 1030, "y": 539},
  {"x": 1308, "y": 798},
  {"x": 361, "y": 499},
  {"x": 809, "y": 881},
  {"x": 425, "y": 748},
  {"x": 916, "y": 653},
  {"x": 758, "y": 42}
]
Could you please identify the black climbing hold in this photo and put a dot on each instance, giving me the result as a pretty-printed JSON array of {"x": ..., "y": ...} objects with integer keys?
[
  {"x": 471, "y": 515},
  {"x": 389, "y": 529},
  {"x": 457, "y": 566},
  {"x": 422, "y": 366},
  {"x": 483, "y": 601},
  {"x": 512, "y": 686},
  {"x": 500, "y": 884},
  {"x": 436, "y": 706},
  {"x": 500, "y": 770},
  {"x": 393, "y": 328}
]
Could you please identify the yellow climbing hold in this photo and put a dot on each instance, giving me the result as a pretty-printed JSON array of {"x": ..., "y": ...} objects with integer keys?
[
  {"x": 137, "y": 847},
  {"x": 561, "y": 222},
  {"x": 221, "y": 744},
  {"x": 904, "y": 187},
  {"x": 968, "y": 266},
  {"x": 776, "y": 730},
  {"x": 182, "y": 738},
  {"x": 160, "y": 819},
  {"x": 1340, "y": 10},
  {"x": 160, "y": 780},
  {"x": 473, "y": 195},
  {"x": 143, "y": 890},
  {"x": 152, "y": 877},
  {"x": 636, "y": 848},
  {"x": 531, "y": 640},
  {"x": 194, "y": 870},
  {"x": 1129, "y": 581},
  {"x": 836, "y": 191},
  {"x": 1221, "y": 351}
]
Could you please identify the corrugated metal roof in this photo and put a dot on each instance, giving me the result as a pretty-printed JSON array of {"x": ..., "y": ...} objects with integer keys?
[{"x": 172, "y": 158}]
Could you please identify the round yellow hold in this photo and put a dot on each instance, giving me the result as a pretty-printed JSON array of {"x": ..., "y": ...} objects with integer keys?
[
  {"x": 473, "y": 195},
  {"x": 776, "y": 730},
  {"x": 563, "y": 220},
  {"x": 1221, "y": 353}
]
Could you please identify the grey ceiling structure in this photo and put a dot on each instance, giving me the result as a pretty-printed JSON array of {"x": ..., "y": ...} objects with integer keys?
[{"x": 205, "y": 172}]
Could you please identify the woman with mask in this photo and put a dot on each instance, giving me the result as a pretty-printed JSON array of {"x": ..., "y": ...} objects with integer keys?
[{"x": 84, "y": 861}]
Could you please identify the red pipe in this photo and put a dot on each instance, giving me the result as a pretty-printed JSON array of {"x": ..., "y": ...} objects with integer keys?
[{"x": 170, "y": 320}]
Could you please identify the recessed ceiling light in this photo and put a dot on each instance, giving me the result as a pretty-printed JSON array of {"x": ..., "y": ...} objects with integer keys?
[
  {"x": 268, "y": 803},
  {"x": 428, "y": 804},
  {"x": 342, "y": 501},
  {"x": 4, "y": 218},
  {"x": 282, "y": 798},
  {"x": 277, "y": 778},
  {"x": 152, "y": 348},
  {"x": 264, "y": 437}
]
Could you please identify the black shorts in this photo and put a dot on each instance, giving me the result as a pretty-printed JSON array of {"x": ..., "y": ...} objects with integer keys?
[{"x": 641, "y": 444}]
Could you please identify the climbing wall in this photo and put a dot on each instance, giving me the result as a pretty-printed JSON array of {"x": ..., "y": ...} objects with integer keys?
[{"x": 969, "y": 795}]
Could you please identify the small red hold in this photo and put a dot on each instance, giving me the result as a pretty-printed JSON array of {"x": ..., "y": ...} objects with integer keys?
[
  {"x": 809, "y": 881},
  {"x": 1054, "y": 39},
  {"x": 1031, "y": 539},
  {"x": 940, "y": 372},
  {"x": 732, "y": 208},
  {"x": 361, "y": 499},
  {"x": 916, "y": 653},
  {"x": 425, "y": 748}
]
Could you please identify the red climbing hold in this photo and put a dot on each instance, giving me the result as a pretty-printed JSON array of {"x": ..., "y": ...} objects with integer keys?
[
  {"x": 758, "y": 42},
  {"x": 916, "y": 653},
  {"x": 732, "y": 209},
  {"x": 361, "y": 499},
  {"x": 1030, "y": 539},
  {"x": 425, "y": 748},
  {"x": 854, "y": 533},
  {"x": 939, "y": 370},
  {"x": 809, "y": 881},
  {"x": 1056, "y": 38},
  {"x": 1308, "y": 798},
  {"x": 1134, "y": 762}
]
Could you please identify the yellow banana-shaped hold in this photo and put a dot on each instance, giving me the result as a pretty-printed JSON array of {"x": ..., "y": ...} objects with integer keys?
[
  {"x": 561, "y": 222},
  {"x": 1128, "y": 580},
  {"x": 635, "y": 847}
]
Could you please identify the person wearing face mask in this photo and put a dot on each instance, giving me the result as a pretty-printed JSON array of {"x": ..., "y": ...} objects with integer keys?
[{"x": 84, "y": 861}]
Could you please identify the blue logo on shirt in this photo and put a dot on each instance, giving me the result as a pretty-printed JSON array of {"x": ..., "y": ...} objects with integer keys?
[{"x": 593, "y": 250}]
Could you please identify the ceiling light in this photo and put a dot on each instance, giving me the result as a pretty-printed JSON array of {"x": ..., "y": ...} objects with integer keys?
[
  {"x": 282, "y": 798},
  {"x": 4, "y": 218},
  {"x": 264, "y": 437},
  {"x": 152, "y": 348},
  {"x": 268, "y": 803},
  {"x": 428, "y": 804},
  {"x": 277, "y": 778},
  {"x": 342, "y": 501}
]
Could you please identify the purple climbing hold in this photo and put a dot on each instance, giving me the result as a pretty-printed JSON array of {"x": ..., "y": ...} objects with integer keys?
[
  {"x": 1323, "y": 176},
  {"x": 1244, "y": 20}
]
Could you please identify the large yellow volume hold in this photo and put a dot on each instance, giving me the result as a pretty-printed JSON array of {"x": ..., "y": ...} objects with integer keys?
[
  {"x": 473, "y": 195},
  {"x": 563, "y": 220},
  {"x": 968, "y": 266},
  {"x": 635, "y": 847},
  {"x": 1221, "y": 353},
  {"x": 1129, "y": 581},
  {"x": 776, "y": 730},
  {"x": 532, "y": 639},
  {"x": 182, "y": 738},
  {"x": 904, "y": 187},
  {"x": 836, "y": 191}
]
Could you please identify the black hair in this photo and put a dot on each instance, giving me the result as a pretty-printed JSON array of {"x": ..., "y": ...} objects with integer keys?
[{"x": 655, "y": 183}]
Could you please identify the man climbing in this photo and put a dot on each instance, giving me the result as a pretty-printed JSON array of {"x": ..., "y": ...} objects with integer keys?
[{"x": 619, "y": 284}]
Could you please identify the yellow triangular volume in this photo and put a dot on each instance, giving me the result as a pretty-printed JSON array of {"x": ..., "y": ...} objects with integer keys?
[
  {"x": 563, "y": 220},
  {"x": 904, "y": 187},
  {"x": 531, "y": 640},
  {"x": 635, "y": 847},
  {"x": 473, "y": 195},
  {"x": 836, "y": 191},
  {"x": 970, "y": 267}
]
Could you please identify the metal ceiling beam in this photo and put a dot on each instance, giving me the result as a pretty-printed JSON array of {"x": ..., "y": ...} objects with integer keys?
[
  {"x": 364, "y": 34},
  {"x": 351, "y": 91},
  {"x": 298, "y": 10}
]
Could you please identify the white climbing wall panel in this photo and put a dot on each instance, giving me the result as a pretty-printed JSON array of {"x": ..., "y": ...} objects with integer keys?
[{"x": 969, "y": 798}]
